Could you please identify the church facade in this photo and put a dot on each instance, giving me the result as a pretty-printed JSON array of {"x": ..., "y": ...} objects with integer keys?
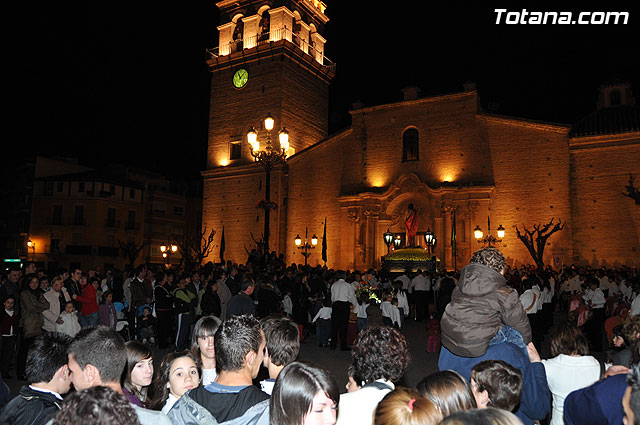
[{"x": 442, "y": 154}]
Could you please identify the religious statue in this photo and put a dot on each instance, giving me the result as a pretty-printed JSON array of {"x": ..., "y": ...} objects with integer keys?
[{"x": 411, "y": 224}]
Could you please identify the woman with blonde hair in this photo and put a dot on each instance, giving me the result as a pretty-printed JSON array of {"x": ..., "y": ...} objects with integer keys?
[{"x": 404, "y": 406}]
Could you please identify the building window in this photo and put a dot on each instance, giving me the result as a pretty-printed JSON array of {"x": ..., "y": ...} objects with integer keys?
[
  {"x": 112, "y": 189},
  {"x": 81, "y": 187},
  {"x": 614, "y": 98},
  {"x": 131, "y": 220},
  {"x": 111, "y": 217},
  {"x": 57, "y": 215},
  {"x": 178, "y": 210},
  {"x": 54, "y": 245},
  {"x": 410, "y": 145},
  {"x": 235, "y": 150},
  {"x": 60, "y": 187},
  {"x": 132, "y": 193},
  {"x": 78, "y": 215}
]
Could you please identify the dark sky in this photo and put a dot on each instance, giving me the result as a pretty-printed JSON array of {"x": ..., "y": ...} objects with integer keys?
[{"x": 128, "y": 82}]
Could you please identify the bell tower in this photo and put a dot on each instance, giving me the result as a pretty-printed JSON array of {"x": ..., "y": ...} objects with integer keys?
[{"x": 269, "y": 61}]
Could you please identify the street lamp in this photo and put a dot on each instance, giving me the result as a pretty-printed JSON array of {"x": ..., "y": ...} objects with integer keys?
[
  {"x": 32, "y": 245},
  {"x": 396, "y": 242},
  {"x": 306, "y": 247},
  {"x": 388, "y": 239},
  {"x": 268, "y": 157},
  {"x": 488, "y": 240},
  {"x": 167, "y": 249},
  {"x": 430, "y": 240}
]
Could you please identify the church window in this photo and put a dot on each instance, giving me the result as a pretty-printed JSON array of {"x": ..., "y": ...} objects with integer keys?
[
  {"x": 235, "y": 151},
  {"x": 410, "y": 151},
  {"x": 614, "y": 98}
]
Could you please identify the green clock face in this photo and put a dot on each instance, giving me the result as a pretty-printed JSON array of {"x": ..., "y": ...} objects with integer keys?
[{"x": 240, "y": 78}]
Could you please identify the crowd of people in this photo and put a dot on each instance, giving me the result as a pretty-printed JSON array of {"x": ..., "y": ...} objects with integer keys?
[{"x": 97, "y": 331}]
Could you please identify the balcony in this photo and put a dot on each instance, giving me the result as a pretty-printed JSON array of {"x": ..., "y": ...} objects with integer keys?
[{"x": 264, "y": 39}]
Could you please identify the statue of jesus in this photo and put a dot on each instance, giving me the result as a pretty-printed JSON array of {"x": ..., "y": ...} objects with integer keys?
[{"x": 411, "y": 224}]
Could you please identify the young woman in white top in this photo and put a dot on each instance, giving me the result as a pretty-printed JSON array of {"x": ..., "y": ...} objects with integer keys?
[
  {"x": 202, "y": 346},
  {"x": 571, "y": 368},
  {"x": 179, "y": 372}
]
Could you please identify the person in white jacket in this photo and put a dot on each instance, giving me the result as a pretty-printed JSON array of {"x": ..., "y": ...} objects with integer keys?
[
  {"x": 57, "y": 298},
  {"x": 69, "y": 317}
]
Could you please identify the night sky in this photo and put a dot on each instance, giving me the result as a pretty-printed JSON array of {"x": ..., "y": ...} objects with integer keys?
[{"x": 128, "y": 83}]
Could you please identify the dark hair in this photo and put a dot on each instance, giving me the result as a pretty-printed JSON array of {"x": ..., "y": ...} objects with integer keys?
[
  {"x": 47, "y": 354},
  {"x": 633, "y": 380},
  {"x": 568, "y": 339},
  {"x": 102, "y": 348},
  {"x": 205, "y": 327},
  {"x": 246, "y": 284},
  {"x": 490, "y": 257},
  {"x": 295, "y": 388},
  {"x": 105, "y": 295},
  {"x": 630, "y": 329},
  {"x": 488, "y": 416},
  {"x": 448, "y": 390},
  {"x": 283, "y": 339},
  {"x": 380, "y": 352},
  {"x": 96, "y": 405},
  {"x": 136, "y": 352},
  {"x": 404, "y": 406},
  {"x": 159, "y": 389},
  {"x": 234, "y": 339},
  {"x": 502, "y": 382}
]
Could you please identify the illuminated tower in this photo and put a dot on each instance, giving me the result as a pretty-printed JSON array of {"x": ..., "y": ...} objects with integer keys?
[{"x": 270, "y": 60}]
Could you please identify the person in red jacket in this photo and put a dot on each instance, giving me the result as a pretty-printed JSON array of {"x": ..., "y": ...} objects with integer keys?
[{"x": 90, "y": 315}]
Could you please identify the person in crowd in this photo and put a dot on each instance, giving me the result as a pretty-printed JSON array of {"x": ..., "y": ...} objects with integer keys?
[
  {"x": 32, "y": 304},
  {"x": 242, "y": 303},
  {"x": 183, "y": 302},
  {"x": 179, "y": 373},
  {"x": 210, "y": 301},
  {"x": 223, "y": 292},
  {"x": 322, "y": 320},
  {"x": 48, "y": 373},
  {"x": 595, "y": 299},
  {"x": 69, "y": 323},
  {"x": 72, "y": 284},
  {"x": 403, "y": 301},
  {"x": 304, "y": 394},
  {"x": 11, "y": 287},
  {"x": 139, "y": 373},
  {"x": 482, "y": 308},
  {"x": 9, "y": 325},
  {"x": 147, "y": 325},
  {"x": 380, "y": 357},
  {"x": 97, "y": 357},
  {"x": 342, "y": 294},
  {"x": 164, "y": 309},
  {"x": 496, "y": 383},
  {"x": 57, "y": 298},
  {"x": 421, "y": 287},
  {"x": 390, "y": 312},
  {"x": 353, "y": 382},
  {"x": 404, "y": 406},
  {"x": 283, "y": 345},
  {"x": 97, "y": 405},
  {"x": 88, "y": 299},
  {"x": 107, "y": 311},
  {"x": 448, "y": 390},
  {"x": 489, "y": 416},
  {"x": 599, "y": 403},
  {"x": 44, "y": 283},
  {"x": 531, "y": 303},
  {"x": 203, "y": 347},
  {"x": 361, "y": 311},
  {"x": 287, "y": 304},
  {"x": 433, "y": 334},
  {"x": 570, "y": 368},
  {"x": 239, "y": 347},
  {"x": 630, "y": 334},
  {"x": 631, "y": 398}
]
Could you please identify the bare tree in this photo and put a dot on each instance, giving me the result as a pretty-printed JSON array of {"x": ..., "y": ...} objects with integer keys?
[
  {"x": 131, "y": 250},
  {"x": 632, "y": 191},
  {"x": 194, "y": 250},
  {"x": 535, "y": 240}
]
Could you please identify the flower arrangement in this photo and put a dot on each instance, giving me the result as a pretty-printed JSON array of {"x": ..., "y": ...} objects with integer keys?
[
  {"x": 365, "y": 286},
  {"x": 263, "y": 205}
]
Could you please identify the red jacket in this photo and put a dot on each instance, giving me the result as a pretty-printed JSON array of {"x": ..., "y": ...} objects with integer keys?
[{"x": 88, "y": 300}]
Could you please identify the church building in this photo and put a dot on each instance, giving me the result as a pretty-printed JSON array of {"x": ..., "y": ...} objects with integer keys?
[{"x": 443, "y": 154}]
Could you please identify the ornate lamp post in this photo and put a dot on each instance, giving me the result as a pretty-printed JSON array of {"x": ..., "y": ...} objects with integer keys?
[
  {"x": 268, "y": 157},
  {"x": 489, "y": 240},
  {"x": 397, "y": 242},
  {"x": 306, "y": 247},
  {"x": 430, "y": 240},
  {"x": 167, "y": 250},
  {"x": 388, "y": 239}
]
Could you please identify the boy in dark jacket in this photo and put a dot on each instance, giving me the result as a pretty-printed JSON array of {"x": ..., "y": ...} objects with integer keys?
[
  {"x": 9, "y": 323},
  {"x": 49, "y": 375}
]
